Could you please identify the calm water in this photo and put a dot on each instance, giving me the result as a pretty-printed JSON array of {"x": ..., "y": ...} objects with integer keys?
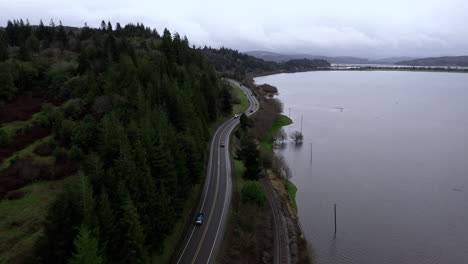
[{"x": 391, "y": 150}]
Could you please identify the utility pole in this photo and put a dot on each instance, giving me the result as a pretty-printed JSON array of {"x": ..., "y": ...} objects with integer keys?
[
  {"x": 289, "y": 115},
  {"x": 310, "y": 152},
  {"x": 334, "y": 209},
  {"x": 301, "y": 123}
]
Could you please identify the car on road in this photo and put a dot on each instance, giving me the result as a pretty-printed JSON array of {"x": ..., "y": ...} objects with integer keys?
[
  {"x": 236, "y": 116},
  {"x": 222, "y": 144},
  {"x": 251, "y": 111},
  {"x": 199, "y": 219}
]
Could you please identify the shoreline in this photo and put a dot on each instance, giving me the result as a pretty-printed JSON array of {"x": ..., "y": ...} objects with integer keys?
[{"x": 251, "y": 76}]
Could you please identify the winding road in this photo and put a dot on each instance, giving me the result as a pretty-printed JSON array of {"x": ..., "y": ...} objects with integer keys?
[{"x": 202, "y": 243}]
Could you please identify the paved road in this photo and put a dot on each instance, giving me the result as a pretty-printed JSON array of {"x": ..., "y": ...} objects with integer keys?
[{"x": 202, "y": 243}]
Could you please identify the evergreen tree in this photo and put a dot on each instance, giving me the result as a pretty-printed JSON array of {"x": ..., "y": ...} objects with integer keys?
[
  {"x": 244, "y": 121},
  {"x": 109, "y": 27},
  {"x": 62, "y": 35},
  {"x": 3, "y": 48},
  {"x": 132, "y": 248},
  {"x": 87, "y": 249},
  {"x": 250, "y": 155},
  {"x": 7, "y": 86},
  {"x": 32, "y": 43},
  {"x": 225, "y": 100}
]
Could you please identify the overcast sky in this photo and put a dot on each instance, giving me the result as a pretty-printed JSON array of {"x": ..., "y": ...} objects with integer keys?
[{"x": 367, "y": 28}]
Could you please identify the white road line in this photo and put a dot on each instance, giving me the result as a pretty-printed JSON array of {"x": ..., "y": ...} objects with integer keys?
[
  {"x": 229, "y": 172},
  {"x": 228, "y": 164},
  {"x": 205, "y": 191},
  {"x": 225, "y": 196}
]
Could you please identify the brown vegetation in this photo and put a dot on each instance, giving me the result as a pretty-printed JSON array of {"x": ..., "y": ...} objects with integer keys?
[
  {"x": 26, "y": 171},
  {"x": 23, "y": 107},
  {"x": 266, "y": 88},
  {"x": 43, "y": 149},
  {"x": 23, "y": 138}
]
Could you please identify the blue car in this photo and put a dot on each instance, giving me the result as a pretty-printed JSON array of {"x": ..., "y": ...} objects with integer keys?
[{"x": 199, "y": 219}]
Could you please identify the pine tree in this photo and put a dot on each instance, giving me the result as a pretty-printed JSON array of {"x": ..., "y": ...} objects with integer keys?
[
  {"x": 244, "y": 121},
  {"x": 62, "y": 35},
  {"x": 109, "y": 27},
  {"x": 250, "y": 155},
  {"x": 225, "y": 96},
  {"x": 3, "y": 48},
  {"x": 108, "y": 227},
  {"x": 132, "y": 244},
  {"x": 87, "y": 249},
  {"x": 7, "y": 86}
]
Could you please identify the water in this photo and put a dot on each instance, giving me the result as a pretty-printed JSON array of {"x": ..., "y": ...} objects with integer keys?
[{"x": 391, "y": 150}]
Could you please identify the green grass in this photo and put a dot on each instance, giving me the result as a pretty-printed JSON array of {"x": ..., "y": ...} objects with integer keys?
[
  {"x": 12, "y": 127},
  {"x": 239, "y": 170},
  {"x": 281, "y": 121},
  {"x": 292, "y": 189},
  {"x": 21, "y": 219},
  {"x": 244, "y": 101},
  {"x": 29, "y": 151}
]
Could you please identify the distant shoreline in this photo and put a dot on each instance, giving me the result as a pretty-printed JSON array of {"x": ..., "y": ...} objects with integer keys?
[{"x": 253, "y": 76}]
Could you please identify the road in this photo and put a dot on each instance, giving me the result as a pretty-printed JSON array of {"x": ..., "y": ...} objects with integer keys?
[{"x": 202, "y": 243}]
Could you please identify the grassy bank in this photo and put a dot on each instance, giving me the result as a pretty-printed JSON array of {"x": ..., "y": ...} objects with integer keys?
[
  {"x": 242, "y": 98},
  {"x": 21, "y": 219},
  {"x": 281, "y": 121},
  {"x": 292, "y": 189}
]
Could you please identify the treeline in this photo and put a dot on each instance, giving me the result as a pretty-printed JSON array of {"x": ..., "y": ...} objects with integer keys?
[
  {"x": 137, "y": 114},
  {"x": 237, "y": 65}
]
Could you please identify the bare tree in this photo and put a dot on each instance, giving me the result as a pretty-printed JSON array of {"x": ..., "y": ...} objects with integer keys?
[
  {"x": 280, "y": 167},
  {"x": 296, "y": 136},
  {"x": 280, "y": 136}
]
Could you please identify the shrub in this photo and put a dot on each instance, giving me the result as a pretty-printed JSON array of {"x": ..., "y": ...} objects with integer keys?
[
  {"x": 253, "y": 192},
  {"x": 75, "y": 153},
  {"x": 4, "y": 138},
  {"x": 60, "y": 155}
]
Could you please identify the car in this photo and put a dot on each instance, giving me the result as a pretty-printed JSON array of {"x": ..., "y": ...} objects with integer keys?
[
  {"x": 236, "y": 116},
  {"x": 199, "y": 219},
  {"x": 222, "y": 144},
  {"x": 251, "y": 111}
]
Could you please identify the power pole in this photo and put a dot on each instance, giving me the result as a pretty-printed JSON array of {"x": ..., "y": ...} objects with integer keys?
[
  {"x": 289, "y": 115},
  {"x": 334, "y": 209},
  {"x": 310, "y": 152},
  {"x": 301, "y": 123}
]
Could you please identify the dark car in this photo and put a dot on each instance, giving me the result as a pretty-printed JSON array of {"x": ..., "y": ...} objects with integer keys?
[
  {"x": 199, "y": 219},
  {"x": 222, "y": 144}
]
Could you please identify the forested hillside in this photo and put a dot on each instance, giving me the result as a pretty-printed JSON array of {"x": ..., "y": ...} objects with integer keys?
[
  {"x": 240, "y": 65},
  {"x": 128, "y": 110}
]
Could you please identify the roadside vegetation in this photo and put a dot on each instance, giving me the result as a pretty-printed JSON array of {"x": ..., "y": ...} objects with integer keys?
[
  {"x": 241, "y": 102},
  {"x": 127, "y": 110}
]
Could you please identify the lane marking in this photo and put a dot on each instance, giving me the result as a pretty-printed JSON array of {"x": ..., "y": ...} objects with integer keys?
[
  {"x": 204, "y": 191},
  {"x": 228, "y": 181},
  {"x": 200, "y": 243},
  {"x": 219, "y": 130}
]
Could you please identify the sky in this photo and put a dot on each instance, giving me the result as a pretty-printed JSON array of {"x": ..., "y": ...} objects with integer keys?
[{"x": 364, "y": 28}]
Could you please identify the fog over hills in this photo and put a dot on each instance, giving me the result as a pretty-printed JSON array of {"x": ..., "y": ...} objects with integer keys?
[
  {"x": 461, "y": 61},
  {"x": 280, "y": 57}
]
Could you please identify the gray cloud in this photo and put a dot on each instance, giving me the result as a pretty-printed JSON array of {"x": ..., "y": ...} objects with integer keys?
[{"x": 368, "y": 28}]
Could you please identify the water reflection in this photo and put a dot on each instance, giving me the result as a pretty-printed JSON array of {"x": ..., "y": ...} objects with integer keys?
[{"x": 393, "y": 156}]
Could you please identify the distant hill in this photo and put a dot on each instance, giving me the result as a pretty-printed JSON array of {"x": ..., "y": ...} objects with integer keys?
[
  {"x": 437, "y": 61},
  {"x": 392, "y": 60},
  {"x": 238, "y": 65},
  {"x": 278, "y": 57}
]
